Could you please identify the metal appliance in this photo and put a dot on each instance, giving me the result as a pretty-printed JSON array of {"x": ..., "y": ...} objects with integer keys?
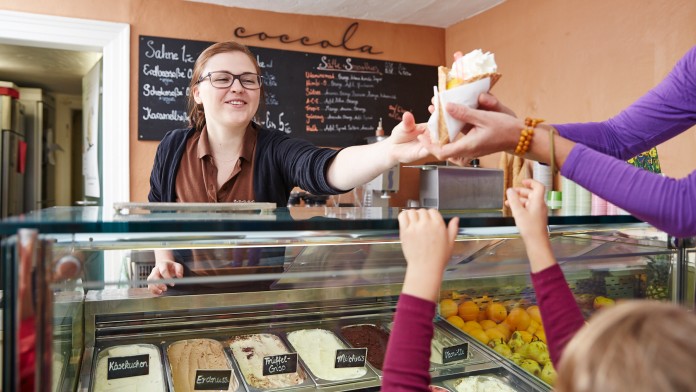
[
  {"x": 12, "y": 151},
  {"x": 461, "y": 188},
  {"x": 39, "y": 186}
]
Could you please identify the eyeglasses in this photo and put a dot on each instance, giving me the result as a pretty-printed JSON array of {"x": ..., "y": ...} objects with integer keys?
[{"x": 224, "y": 79}]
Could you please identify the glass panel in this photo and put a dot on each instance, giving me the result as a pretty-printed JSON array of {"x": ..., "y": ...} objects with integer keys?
[
  {"x": 260, "y": 272},
  {"x": 492, "y": 297}
]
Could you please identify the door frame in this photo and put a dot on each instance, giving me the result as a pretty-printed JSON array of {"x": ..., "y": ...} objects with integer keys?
[{"x": 113, "y": 41}]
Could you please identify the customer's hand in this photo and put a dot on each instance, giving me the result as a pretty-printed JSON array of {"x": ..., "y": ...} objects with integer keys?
[
  {"x": 490, "y": 132},
  {"x": 529, "y": 209},
  {"x": 489, "y": 129},
  {"x": 427, "y": 245},
  {"x": 165, "y": 269},
  {"x": 486, "y": 101}
]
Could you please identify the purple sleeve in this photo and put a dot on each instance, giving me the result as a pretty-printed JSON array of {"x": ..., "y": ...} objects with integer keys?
[
  {"x": 560, "y": 313},
  {"x": 408, "y": 352},
  {"x": 666, "y": 203},
  {"x": 664, "y": 112}
]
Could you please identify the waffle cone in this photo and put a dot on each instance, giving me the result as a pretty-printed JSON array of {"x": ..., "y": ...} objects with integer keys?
[{"x": 442, "y": 76}]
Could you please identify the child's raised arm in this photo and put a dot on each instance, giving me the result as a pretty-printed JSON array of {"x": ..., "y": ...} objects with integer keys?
[{"x": 427, "y": 245}]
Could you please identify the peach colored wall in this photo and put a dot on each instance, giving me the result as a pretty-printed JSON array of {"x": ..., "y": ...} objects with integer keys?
[
  {"x": 563, "y": 60},
  {"x": 574, "y": 61},
  {"x": 191, "y": 20}
]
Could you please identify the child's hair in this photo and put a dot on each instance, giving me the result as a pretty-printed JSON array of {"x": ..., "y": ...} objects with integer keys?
[{"x": 634, "y": 346}]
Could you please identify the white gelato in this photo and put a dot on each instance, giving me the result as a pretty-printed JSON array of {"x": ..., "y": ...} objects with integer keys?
[
  {"x": 151, "y": 382},
  {"x": 437, "y": 345},
  {"x": 317, "y": 348},
  {"x": 482, "y": 384}
]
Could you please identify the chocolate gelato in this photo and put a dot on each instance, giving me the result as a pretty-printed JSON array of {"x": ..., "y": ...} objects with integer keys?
[{"x": 370, "y": 336}]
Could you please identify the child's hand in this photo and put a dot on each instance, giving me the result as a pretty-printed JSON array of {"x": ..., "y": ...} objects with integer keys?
[
  {"x": 529, "y": 209},
  {"x": 427, "y": 245}
]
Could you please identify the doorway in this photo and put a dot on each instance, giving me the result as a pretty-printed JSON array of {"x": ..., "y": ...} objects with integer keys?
[{"x": 113, "y": 41}]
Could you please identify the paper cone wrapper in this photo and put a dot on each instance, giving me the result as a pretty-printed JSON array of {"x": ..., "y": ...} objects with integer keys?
[{"x": 443, "y": 127}]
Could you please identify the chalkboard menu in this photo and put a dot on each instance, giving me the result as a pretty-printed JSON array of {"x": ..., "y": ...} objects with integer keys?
[{"x": 326, "y": 99}]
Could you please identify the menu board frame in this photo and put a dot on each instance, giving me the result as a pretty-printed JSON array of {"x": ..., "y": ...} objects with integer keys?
[{"x": 329, "y": 100}]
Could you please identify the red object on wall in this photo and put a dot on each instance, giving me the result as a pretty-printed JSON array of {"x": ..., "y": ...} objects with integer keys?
[
  {"x": 21, "y": 156},
  {"x": 9, "y": 91}
]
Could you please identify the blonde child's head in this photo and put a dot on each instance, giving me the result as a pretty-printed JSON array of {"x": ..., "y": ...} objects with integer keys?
[{"x": 634, "y": 346}]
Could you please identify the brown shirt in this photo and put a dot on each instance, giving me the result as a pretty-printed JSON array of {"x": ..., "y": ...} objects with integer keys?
[{"x": 196, "y": 180}]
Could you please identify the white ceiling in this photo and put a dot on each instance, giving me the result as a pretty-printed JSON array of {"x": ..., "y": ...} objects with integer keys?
[
  {"x": 55, "y": 70},
  {"x": 61, "y": 71},
  {"x": 435, "y": 13}
]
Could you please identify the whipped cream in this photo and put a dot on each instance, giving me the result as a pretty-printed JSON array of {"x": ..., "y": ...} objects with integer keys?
[{"x": 473, "y": 64}]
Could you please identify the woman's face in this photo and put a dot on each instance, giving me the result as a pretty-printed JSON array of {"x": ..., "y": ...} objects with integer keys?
[{"x": 227, "y": 107}]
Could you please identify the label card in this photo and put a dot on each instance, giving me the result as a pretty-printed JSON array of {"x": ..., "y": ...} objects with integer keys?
[
  {"x": 350, "y": 357},
  {"x": 455, "y": 353},
  {"x": 280, "y": 364},
  {"x": 207, "y": 380},
  {"x": 122, "y": 367}
]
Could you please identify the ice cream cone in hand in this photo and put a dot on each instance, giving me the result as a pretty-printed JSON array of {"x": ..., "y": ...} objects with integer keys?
[{"x": 471, "y": 75}]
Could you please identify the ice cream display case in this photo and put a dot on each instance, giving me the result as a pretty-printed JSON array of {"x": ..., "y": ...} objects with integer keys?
[{"x": 294, "y": 299}]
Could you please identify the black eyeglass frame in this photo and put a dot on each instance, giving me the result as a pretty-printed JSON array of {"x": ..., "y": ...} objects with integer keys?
[{"x": 234, "y": 77}]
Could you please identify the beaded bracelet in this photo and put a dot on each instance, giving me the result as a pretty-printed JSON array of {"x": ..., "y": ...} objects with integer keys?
[{"x": 526, "y": 135}]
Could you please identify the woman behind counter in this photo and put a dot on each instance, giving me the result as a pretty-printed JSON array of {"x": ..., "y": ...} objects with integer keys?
[{"x": 224, "y": 156}]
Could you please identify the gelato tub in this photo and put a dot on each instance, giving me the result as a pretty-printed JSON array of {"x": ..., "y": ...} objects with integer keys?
[
  {"x": 187, "y": 358},
  {"x": 372, "y": 337},
  {"x": 482, "y": 383},
  {"x": 317, "y": 349},
  {"x": 133, "y": 367},
  {"x": 249, "y": 352}
]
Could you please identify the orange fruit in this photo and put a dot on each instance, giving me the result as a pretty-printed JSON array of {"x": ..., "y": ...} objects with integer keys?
[
  {"x": 505, "y": 330},
  {"x": 494, "y": 333},
  {"x": 448, "y": 308},
  {"x": 496, "y": 312},
  {"x": 487, "y": 324},
  {"x": 456, "y": 321},
  {"x": 518, "y": 319},
  {"x": 533, "y": 326},
  {"x": 469, "y": 311},
  {"x": 534, "y": 313},
  {"x": 479, "y": 335},
  {"x": 541, "y": 335},
  {"x": 482, "y": 316},
  {"x": 471, "y": 325}
]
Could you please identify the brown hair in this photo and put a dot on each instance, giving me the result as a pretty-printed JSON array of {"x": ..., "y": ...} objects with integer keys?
[
  {"x": 634, "y": 346},
  {"x": 196, "y": 111}
]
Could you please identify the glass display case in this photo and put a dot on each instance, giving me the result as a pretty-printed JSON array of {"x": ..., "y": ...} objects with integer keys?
[{"x": 277, "y": 299}]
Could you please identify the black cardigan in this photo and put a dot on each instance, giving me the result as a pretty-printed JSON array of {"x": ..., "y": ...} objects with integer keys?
[{"x": 281, "y": 163}]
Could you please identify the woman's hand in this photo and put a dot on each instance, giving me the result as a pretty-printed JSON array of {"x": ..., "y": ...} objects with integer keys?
[
  {"x": 490, "y": 132},
  {"x": 164, "y": 269},
  {"x": 427, "y": 245},
  {"x": 403, "y": 142}
]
